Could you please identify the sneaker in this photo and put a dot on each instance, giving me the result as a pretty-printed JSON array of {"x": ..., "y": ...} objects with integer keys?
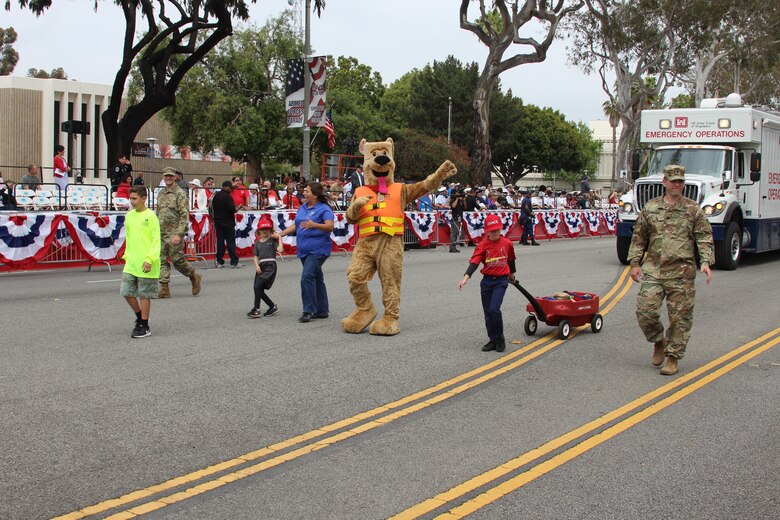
[
  {"x": 218, "y": 265},
  {"x": 454, "y": 250},
  {"x": 500, "y": 344},
  {"x": 141, "y": 331},
  {"x": 254, "y": 313},
  {"x": 272, "y": 311},
  {"x": 319, "y": 315},
  {"x": 305, "y": 317},
  {"x": 237, "y": 266},
  {"x": 135, "y": 326},
  {"x": 490, "y": 345}
]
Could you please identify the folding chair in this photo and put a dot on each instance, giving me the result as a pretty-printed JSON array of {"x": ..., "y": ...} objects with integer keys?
[
  {"x": 41, "y": 203},
  {"x": 75, "y": 201},
  {"x": 121, "y": 203}
]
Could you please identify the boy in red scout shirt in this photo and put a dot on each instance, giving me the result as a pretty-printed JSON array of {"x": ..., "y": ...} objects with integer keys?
[{"x": 498, "y": 256}]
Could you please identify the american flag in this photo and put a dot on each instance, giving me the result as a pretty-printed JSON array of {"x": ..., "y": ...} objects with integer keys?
[
  {"x": 331, "y": 130},
  {"x": 294, "y": 81}
]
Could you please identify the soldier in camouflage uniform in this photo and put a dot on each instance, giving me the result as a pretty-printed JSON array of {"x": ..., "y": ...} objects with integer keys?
[
  {"x": 173, "y": 213},
  {"x": 667, "y": 232}
]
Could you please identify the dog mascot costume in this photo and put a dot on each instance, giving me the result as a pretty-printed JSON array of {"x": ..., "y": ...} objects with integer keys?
[{"x": 378, "y": 210}]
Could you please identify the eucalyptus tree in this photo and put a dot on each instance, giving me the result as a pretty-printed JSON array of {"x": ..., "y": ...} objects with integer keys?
[
  {"x": 627, "y": 43},
  {"x": 9, "y": 57},
  {"x": 499, "y": 29}
]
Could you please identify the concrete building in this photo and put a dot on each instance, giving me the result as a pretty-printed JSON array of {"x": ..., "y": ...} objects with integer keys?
[{"x": 32, "y": 111}]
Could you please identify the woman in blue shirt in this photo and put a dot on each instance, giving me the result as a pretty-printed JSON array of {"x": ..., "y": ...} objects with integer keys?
[{"x": 313, "y": 224}]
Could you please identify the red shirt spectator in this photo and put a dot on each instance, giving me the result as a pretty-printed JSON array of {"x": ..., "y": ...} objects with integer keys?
[
  {"x": 123, "y": 190},
  {"x": 240, "y": 197},
  {"x": 291, "y": 201}
]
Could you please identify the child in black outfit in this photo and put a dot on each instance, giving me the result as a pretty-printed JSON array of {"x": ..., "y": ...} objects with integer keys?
[
  {"x": 498, "y": 255},
  {"x": 264, "y": 252}
]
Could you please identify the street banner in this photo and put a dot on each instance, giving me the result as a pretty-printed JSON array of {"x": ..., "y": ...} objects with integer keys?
[{"x": 294, "y": 86}]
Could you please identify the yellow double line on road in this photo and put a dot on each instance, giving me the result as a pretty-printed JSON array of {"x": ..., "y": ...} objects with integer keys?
[
  {"x": 325, "y": 436},
  {"x": 586, "y": 435}
]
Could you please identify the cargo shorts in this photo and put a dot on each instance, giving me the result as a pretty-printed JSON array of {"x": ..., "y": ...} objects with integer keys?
[{"x": 135, "y": 287}]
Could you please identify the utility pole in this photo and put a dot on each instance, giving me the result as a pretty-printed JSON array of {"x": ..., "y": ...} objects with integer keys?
[
  {"x": 449, "y": 121},
  {"x": 306, "y": 167}
]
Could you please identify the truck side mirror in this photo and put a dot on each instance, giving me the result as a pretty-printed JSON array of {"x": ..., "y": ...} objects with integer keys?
[
  {"x": 634, "y": 166},
  {"x": 755, "y": 167},
  {"x": 727, "y": 175}
]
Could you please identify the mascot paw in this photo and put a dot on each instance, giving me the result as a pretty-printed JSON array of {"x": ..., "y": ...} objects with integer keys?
[
  {"x": 448, "y": 169},
  {"x": 385, "y": 327},
  {"x": 356, "y": 322},
  {"x": 360, "y": 202}
]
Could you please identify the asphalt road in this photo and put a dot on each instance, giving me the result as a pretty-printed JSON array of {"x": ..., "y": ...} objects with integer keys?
[{"x": 90, "y": 415}]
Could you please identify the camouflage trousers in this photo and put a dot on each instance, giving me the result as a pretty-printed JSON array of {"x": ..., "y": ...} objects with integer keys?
[
  {"x": 176, "y": 254},
  {"x": 680, "y": 296}
]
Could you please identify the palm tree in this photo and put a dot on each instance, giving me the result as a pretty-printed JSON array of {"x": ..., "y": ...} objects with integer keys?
[{"x": 614, "y": 121}]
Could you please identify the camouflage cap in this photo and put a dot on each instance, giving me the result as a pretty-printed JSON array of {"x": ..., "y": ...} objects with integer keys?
[
  {"x": 674, "y": 172},
  {"x": 169, "y": 171}
]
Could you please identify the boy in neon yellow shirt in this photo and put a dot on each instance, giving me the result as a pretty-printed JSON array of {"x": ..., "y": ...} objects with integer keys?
[{"x": 142, "y": 260}]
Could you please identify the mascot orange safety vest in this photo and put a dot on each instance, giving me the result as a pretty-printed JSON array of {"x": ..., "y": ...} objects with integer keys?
[{"x": 386, "y": 216}]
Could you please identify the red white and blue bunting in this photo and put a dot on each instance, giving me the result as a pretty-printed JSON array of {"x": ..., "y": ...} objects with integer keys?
[
  {"x": 475, "y": 224},
  {"x": 246, "y": 225},
  {"x": 62, "y": 238},
  {"x": 593, "y": 218},
  {"x": 550, "y": 220},
  {"x": 573, "y": 222},
  {"x": 610, "y": 219},
  {"x": 26, "y": 238},
  {"x": 343, "y": 231},
  {"x": 199, "y": 228},
  {"x": 423, "y": 225},
  {"x": 99, "y": 237}
]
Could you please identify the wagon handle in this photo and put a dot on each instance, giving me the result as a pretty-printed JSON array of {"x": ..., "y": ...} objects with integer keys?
[{"x": 535, "y": 304}]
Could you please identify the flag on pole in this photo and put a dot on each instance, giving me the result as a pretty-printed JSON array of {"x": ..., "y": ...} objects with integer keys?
[
  {"x": 294, "y": 93},
  {"x": 294, "y": 85},
  {"x": 330, "y": 129}
]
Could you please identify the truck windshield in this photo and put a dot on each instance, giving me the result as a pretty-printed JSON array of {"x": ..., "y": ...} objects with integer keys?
[{"x": 697, "y": 161}]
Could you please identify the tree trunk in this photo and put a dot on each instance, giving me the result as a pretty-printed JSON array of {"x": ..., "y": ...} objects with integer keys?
[{"x": 481, "y": 160}]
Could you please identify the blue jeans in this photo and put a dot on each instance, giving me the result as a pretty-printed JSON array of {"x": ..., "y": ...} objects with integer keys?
[
  {"x": 493, "y": 289},
  {"x": 313, "y": 291}
]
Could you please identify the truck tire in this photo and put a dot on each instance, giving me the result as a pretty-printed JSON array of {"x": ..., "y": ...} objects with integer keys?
[
  {"x": 729, "y": 250},
  {"x": 623, "y": 243}
]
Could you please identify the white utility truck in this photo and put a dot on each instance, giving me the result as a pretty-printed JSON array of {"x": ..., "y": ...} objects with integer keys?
[{"x": 731, "y": 155}]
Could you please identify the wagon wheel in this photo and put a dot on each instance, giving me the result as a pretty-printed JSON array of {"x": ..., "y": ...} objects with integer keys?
[
  {"x": 564, "y": 329},
  {"x": 530, "y": 325},
  {"x": 596, "y": 323}
]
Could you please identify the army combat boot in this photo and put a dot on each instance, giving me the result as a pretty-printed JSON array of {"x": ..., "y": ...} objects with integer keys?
[
  {"x": 659, "y": 352},
  {"x": 195, "y": 279},
  {"x": 164, "y": 291},
  {"x": 670, "y": 368}
]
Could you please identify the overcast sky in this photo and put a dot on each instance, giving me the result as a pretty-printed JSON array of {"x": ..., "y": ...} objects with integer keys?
[{"x": 392, "y": 37}]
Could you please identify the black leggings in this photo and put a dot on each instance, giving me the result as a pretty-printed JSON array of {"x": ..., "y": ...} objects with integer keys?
[{"x": 263, "y": 281}]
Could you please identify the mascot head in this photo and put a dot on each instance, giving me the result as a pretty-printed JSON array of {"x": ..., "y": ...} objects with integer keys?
[{"x": 378, "y": 163}]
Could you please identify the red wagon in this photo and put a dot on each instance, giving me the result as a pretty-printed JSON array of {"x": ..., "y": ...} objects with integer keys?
[{"x": 563, "y": 310}]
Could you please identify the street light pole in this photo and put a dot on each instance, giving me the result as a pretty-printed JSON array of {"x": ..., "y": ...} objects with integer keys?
[
  {"x": 449, "y": 121},
  {"x": 306, "y": 167}
]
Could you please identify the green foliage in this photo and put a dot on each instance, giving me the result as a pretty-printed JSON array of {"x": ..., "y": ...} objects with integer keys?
[
  {"x": 355, "y": 94},
  {"x": 684, "y": 100},
  {"x": 418, "y": 155},
  {"x": 420, "y": 100},
  {"x": 526, "y": 136},
  {"x": 58, "y": 73},
  {"x": 8, "y": 55},
  {"x": 234, "y": 98}
]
